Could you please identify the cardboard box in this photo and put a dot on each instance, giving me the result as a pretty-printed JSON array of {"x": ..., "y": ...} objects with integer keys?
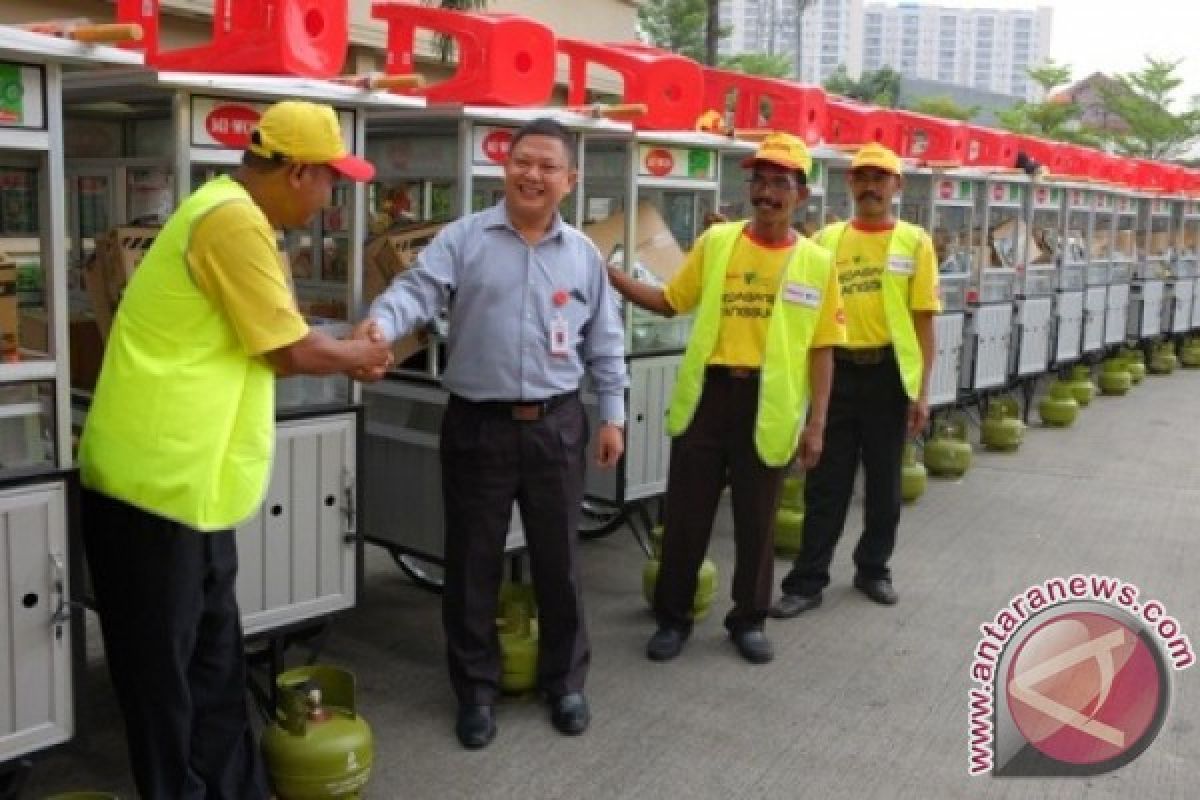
[
  {"x": 86, "y": 344},
  {"x": 8, "y": 306},
  {"x": 105, "y": 275},
  {"x": 655, "y": 246},
  {"x": 386, "y": 257}
]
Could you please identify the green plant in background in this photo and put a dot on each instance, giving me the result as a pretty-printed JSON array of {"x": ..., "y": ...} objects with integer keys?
[{"x": 1143, "y": 101}]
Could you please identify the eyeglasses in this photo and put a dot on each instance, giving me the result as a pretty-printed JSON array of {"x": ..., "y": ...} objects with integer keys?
[
  {"x": 525, "y": 165},
  {"x": 777, "y": 183}
]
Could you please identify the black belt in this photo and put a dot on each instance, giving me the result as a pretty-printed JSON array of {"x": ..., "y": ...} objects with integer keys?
[
  {"x": 741, "y": 373},
  {"x": 520, "y": 410},
  {"x": 863, "y": 356}
]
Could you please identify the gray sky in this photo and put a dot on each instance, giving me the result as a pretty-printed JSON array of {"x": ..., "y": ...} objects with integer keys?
[{"x": 1111, "y": 36}]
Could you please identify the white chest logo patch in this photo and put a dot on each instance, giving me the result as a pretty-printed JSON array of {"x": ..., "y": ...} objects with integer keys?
[{"x": 808, "y": 296}]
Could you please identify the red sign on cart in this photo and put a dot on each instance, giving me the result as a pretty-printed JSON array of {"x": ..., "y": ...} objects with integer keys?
[
  {"x": 496, "y": 145},
  {"x": 231, "y": 124},
  {"x": 660, "y": 162}
]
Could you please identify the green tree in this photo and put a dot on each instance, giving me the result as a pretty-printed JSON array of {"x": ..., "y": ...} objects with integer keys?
[
  {"x": 943, "y": 106},
  {"x": 1143, "y": 100},
  {"x": 1052, "y": 118},
  {"x": 677, "y": 25},
  {"x": 879, "y": 87},
  {"x": 759, "y": 64},
  {"x": 445, "y": 44}
]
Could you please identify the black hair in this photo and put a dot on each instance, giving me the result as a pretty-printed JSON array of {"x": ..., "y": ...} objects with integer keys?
[
  {"x": 260, "y": 163},
  {"x": 545, "y": 126}
]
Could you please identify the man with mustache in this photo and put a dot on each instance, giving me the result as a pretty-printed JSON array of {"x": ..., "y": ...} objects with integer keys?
[
  {"x": 767, "y": 312},
  {"x": 888, "y": 277}
]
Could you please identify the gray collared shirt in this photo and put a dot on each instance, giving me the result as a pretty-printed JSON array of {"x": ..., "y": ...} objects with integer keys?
[{"x": 501, "y": 294}]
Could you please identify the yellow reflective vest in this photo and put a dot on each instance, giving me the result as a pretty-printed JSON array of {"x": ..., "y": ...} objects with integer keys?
[
  {"x": 182, "y": 421},
  {"x": 901, "y": 263},
  {"x": 783, "y": 387}
]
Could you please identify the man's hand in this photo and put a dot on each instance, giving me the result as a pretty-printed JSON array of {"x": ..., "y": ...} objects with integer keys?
[
  {"x": 610, "y": 444},
  {"x": 812, "y": 443},
  {"x": 918, "y": 415},
  {"x": 380, "y": 357}
]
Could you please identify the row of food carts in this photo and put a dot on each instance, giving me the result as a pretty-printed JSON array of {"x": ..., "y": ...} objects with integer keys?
[{"x": 1037, "y": 273}]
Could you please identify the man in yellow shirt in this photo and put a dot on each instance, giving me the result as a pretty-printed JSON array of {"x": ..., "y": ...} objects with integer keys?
[
  {"x": 767, "y": 313},
  {"x": 176, "y": 450},
  {"x": 888, "y": 277}
]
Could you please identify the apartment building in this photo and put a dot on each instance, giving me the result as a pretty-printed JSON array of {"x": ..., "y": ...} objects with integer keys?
[
  {"x": 827, "y": 35},
  {"x": 986, "y": 49}
]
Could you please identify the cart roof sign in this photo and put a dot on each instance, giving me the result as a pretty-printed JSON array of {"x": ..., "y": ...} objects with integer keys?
[
  {"x": 677, "y": 162},
  {"x": 227, "y": 124}
]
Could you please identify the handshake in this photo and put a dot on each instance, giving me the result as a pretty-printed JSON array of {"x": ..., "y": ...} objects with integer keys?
[{"x": 376, "y": 352}]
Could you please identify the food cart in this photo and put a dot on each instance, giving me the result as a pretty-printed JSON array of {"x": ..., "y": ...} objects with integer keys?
[
  {"x": 40, "y": 559},
  {"x": 1182, "y": 291},
  {"x": 1096, "y": 276},
  {"x": 1071, "y": 250},
  {"x": 1151, "y": 269},
  {"x": 1037, "y": 281},
  {"x": 987, "y": 342},
  {"x": 1121, "y": 266}
]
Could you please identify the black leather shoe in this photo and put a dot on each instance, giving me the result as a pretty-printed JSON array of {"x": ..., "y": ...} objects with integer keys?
[
  {"x": 569, "y": 713},
  {"x": 665, "y": 644},
  {"x": 878, "y": 589},
  {"x": 476, "y": 726},
  {"x": 753, "y": 645},
  {"x": 791, "y": 605}
]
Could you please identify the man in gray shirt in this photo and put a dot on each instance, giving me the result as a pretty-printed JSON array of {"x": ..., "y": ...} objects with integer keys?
[{"x": 530, "y": 311}]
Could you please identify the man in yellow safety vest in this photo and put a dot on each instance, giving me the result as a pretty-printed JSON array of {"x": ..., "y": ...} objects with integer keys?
[
  {"x": 177, "y": 445},
  {"x": 888, "y": 276},
  {"x": 751, "y": 391}
]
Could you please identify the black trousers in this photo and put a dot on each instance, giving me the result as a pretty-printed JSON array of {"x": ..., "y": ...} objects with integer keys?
[
  {"x": 716, "y": 450},
  {"x": 490, "y": 460},
  {"x": 868, "y": 415},
  {"x": 173, "y": 641}
]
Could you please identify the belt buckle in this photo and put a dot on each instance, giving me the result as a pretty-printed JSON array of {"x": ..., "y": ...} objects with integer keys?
[{"x": 526, "y": 412}]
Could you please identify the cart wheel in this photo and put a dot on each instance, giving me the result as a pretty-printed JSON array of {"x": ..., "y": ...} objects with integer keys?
[
  {"x": 426, "y": 574},
  {"x": 599, "y": 519}
]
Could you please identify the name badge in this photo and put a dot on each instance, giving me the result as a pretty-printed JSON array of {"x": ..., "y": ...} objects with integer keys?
[
  {"x": 808, "y": 296},
  {"x": 558, "y": 336},
  {"x": 901, "y": 265}
]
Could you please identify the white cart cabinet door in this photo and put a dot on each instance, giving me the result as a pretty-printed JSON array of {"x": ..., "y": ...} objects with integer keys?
[
  {"x": 35, "y": 650},
  {"x": 295, "y": 558}
]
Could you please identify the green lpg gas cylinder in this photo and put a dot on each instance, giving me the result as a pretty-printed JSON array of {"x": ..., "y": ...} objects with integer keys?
[
  {"x": 1059, "y": 408},
  {"x": 912, "y": 475},
  {"x": 517, "y": 629},
  {"x": 1136, "y": 361},
  {"x": 1163, "y": 360},
  {"x": 1001, "y": 431},
  {"x": 318, "y": 747},
  {"x": 1189, "y": 355},
  {"x": 706, "y": 579},
  {"x": 948, "y": 453},
  {"x": 1114, "y": 378},
  {"x": 1081, "y": 384}
]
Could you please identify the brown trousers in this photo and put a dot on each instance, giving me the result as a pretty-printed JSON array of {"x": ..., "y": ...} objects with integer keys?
[
  {"x": 490, "y": 460},
  {"x": 716, "y": 450}
]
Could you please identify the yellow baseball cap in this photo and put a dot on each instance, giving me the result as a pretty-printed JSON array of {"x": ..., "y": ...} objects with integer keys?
[
  {"x": 877, "y": 156},
  {"x": 306, "y": 133},
  {"x": 784, "y": 150}
]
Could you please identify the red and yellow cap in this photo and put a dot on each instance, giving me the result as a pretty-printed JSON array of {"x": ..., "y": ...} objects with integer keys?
[{"x": 307, "y": 133}]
